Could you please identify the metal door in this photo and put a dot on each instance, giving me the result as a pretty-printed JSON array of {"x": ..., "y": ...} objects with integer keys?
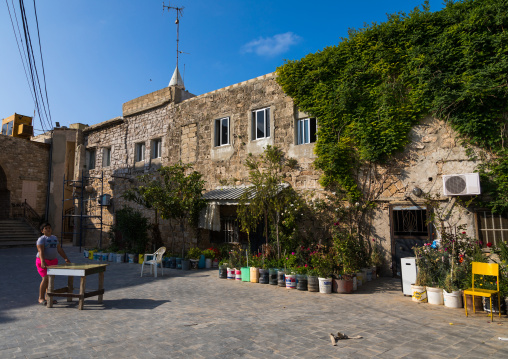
[{"x": 409, "y": 228}]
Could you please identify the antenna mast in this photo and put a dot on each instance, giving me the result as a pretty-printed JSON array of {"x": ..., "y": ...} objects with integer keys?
[{"x": 179, "y": 13}]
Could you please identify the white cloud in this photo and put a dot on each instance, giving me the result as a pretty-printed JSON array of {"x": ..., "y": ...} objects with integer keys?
[{"x": 271, "y": 46}]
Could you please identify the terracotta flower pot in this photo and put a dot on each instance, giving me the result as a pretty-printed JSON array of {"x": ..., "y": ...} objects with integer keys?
[{"x": 342, "y": 285}]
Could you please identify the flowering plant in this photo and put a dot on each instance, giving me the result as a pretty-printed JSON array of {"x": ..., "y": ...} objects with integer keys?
[
  {"x": 323, "y": 262},
  {"x": 209, "y": 253},
  {"x": 432, "y": 265},
  {"x": 256, "y": 260}
]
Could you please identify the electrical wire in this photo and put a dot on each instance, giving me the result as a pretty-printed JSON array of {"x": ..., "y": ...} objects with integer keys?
[
  {"x": 30, "y": 67},
  {"x": 33, "y": 66},
  {"x": 17, "y": 43},
  {"x": 42, "y": 63}
]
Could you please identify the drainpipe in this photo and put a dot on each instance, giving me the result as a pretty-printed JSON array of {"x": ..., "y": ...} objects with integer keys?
[{"x": 49, "y": 177}]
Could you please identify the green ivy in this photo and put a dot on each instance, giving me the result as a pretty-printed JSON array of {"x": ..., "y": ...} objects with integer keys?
[{"x": 375, "y": 85}]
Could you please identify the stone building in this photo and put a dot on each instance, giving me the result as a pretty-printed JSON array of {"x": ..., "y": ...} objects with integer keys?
[
  {"x": 214, "y": 131},
  {"x": 23, "y": 174},
  {"x": 217, "y": 130}
]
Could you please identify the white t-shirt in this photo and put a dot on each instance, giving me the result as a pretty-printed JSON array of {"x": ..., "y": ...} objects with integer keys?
[{"x": 50, "y": 246}]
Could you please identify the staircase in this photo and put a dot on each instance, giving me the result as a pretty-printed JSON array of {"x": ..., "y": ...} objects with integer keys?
[{"x": 17, "y": 233}]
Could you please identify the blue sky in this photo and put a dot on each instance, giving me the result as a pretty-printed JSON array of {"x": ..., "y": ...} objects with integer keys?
[{"x": 99, "y": 54}]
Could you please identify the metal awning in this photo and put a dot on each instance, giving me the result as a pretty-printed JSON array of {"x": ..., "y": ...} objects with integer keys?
[{"x": 231, "y": 195}]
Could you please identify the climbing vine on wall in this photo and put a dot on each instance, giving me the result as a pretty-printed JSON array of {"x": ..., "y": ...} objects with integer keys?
[{"x": 370, "y": 89}]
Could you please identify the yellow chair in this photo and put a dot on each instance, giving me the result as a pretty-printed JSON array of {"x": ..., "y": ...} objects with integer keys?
[{"x": 491, "y": 269}]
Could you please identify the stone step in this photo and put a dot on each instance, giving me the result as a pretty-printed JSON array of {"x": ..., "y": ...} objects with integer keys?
[
  {"x": 17, "y": 233},
  {"x": 20, "y": 243}
]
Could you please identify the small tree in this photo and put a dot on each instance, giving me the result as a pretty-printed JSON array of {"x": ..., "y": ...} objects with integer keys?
[
  {"x": 269, "y": 194},
  {"x": 173, "y": 194},
  {"x": 145, "y": 196},
  {"x": 133, "y": 228}
]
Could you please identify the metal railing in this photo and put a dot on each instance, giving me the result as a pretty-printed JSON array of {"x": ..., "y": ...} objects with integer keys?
[{"x": 25, "y": 211}]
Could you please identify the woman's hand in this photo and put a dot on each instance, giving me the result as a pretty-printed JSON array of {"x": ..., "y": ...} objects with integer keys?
[{"x": 67, "y": 260}]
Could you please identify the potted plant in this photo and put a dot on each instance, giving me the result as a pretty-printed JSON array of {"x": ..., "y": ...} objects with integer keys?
[
  {"x": 209, "y": 256},
  {"x": 301, "y": 277},
  {"x": 223, "y": 267},
  {"x": 342, "y": 283},
  {"x": 193, "y": 255},
  {"x": 264, "y": 273},
  {"x": 255, "y": 262},
  {"x": 233, "y": 262},
  {"x": 323, "y": 263}
]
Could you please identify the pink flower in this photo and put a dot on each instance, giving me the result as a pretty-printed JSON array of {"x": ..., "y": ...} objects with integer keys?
[
  {"x": 463, "y": 232},
  {"x": 489, "y": 244},
  {"x": 336, "y": 223},
  {"x": 373, "y": 239},
  {"x": 292, "y": 253},
  {"x": 305, "y": 265}
]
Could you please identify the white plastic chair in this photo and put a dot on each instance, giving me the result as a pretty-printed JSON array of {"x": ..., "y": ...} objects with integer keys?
[{"x": 155, "y": 261}]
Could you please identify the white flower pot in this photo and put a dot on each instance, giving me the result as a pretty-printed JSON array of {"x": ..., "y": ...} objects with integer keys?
[
  {"x": 208, "y": 263},
  {"x": 435, "y": 295},
  {"x": 325, "y": 285},
  {"x": 453, "y": 299},
  {"x": 419, "y": 293}
]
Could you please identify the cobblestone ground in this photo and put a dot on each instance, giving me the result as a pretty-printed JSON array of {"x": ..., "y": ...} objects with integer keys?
[{"x": 195, "y": 314}]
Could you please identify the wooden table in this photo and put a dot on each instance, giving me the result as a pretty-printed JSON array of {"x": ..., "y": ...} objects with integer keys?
[{"x": 75, "y": 270}]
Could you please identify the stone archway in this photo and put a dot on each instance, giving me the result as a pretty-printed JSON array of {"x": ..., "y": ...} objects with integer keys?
[{"x": 5, "y": 196}]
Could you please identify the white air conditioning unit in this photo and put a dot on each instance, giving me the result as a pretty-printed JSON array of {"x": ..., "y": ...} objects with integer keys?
[{"x": 464, "y": 184}]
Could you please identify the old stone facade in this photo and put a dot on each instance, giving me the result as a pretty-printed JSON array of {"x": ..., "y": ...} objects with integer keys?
[
  {"x": 185, "y": 126},
  {"x": 23, "y": 174},
  {"x": 172, "y": 125}
]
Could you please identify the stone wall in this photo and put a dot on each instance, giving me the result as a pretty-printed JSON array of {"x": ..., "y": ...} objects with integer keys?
[
  {"x": 432, "y": 153},
  {"x": 25, "y": 165},
  {"x": 186, "y": 129}
]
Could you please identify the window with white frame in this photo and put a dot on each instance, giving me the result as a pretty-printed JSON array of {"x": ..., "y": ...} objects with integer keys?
[
  {"x": 261, "y": 123},
  {"x": 91, "y": 158},
  {"x": 492, "y": 227},
  {"x": 306, "y": 131},
  {"x": 222, "y": 131},
  {"x": 106, "y": 156},
  {"x": 157, "y": 148},
  {"x": 140, "y": 152}
]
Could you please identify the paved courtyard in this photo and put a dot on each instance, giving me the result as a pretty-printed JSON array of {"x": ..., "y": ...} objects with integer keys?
[{"x": 194, "y": 314}]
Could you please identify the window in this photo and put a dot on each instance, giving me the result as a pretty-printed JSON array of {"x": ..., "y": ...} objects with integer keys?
[
  {"x": 409, "y": 222},
  {"x": 106, "y": 156},
  {"x": 91, "y": 159},
  {"x": 492, "y": 228},
  {"x": 222, "y": 131},
  {"x": 261, "y": 123},
  {"x": 229, "y": 229},
  {"x": 306, "y": 131},
  {"x": 7, "y": 128},
  {"x": 140, "y": 152},
  {"x": 156, "y": 148}
]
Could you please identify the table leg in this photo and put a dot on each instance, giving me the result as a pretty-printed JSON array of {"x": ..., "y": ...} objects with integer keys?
[
  {"x": 82, "y": 292},
  {"x": 101, "y": 285},
  {"x": 70, "y": 287},
  {"x": 51, "y": 287}
]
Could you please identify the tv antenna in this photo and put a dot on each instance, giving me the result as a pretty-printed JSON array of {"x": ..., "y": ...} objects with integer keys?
[{"x": 179, "y": 13}]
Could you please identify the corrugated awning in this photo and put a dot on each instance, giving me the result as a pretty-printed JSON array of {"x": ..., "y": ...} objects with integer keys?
[{"x": 231, "y": 195}]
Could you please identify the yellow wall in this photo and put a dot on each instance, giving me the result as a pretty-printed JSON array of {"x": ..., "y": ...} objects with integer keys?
[{"x": 18, "y": 121}]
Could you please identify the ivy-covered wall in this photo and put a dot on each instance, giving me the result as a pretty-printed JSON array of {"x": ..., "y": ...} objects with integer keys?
[{"x": 373, "y": 87}]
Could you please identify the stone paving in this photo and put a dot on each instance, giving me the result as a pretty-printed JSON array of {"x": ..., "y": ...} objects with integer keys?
[{"x": 194, "y": 314}]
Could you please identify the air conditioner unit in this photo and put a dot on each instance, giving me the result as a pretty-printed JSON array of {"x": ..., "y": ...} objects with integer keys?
[{"x": 464, "y": 184}]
